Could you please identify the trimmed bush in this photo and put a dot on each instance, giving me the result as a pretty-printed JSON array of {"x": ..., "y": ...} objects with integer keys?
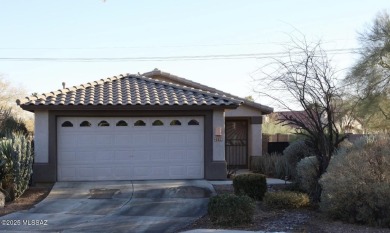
[
  {"x": 307, "y": 172},
  {"x": 231, "y": 210},
  {"x": 296, "y": 151},
  {"x": 286, "y": 200},
  {"x": 356, "y": 186},
  {"x": 252, "y": 185}
]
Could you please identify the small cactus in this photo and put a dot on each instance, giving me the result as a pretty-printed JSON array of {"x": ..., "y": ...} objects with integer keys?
[{"x": 16, "y": 171}]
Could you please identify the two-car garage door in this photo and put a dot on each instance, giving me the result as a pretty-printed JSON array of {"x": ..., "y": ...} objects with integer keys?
[{"x": 130, "y": 148}]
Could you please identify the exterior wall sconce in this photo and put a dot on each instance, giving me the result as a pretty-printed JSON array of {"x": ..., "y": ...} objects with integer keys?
[{"x": 218, "y": 134}]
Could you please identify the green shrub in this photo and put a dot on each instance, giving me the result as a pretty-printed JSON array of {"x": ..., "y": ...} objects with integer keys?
[
  {"x": 294, "y": 187},
  {"x": 17, "y": 157},
  {"x": 282, "y": 166},
  {"x": 231, "y": 210},
  {"x": 286, "y": 200},
  {"x": 346, "y": 144},
  {"x": 296, "y": 151},
  {"x": 356, "y": 186},
  {"x": 307, "y": 173},
  {"x": 264, "y": 165},
  {"x": 252, "y": 185},
  {"x": 273, "y": 165}
]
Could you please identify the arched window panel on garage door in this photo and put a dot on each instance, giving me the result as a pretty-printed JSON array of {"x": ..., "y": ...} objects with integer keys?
[
  {"x": 193, "y": 122},
  {"x": 121, "y": 123},
  {"x": 139, "y": 123},
  {"x": 85, "y": 124},
  {"x": 67, "y": 124},
  {"x": 175, "y": 122},
  {"x": 157, "y": 123},
  {"x": 103, "y": 124}
]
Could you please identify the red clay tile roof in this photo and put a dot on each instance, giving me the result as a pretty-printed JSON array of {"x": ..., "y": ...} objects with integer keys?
[{"x": 130, "y": 90}]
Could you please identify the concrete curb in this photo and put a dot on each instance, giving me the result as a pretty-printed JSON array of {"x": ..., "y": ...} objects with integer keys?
[
  {"x": 270, "y": 181},
  {"x": 224, "y": 231}
]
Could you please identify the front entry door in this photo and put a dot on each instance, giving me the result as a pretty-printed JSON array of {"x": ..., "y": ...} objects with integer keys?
[{"x": 236, "y": 143}]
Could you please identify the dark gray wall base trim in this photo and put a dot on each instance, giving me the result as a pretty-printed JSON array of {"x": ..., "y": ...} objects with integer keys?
[
  {"x": 216, "y": 170},
  {"x": 44, "y": 172}
]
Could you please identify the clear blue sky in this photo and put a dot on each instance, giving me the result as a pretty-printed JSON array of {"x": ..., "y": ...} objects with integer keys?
[{"x": 130, "y": 29}]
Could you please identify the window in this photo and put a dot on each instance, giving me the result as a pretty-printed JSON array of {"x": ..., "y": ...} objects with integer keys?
[
  {"x": 175, "y": 122},
  {"x": 193, "y": 122},
  {"x": 121, "y": 123},
  {"x": 67, "y": 124},
  {"x": 103, "y": 124},
  {"x": 85, "y": 124},
  {"x": 139, "y": 123},
  {"x": 157, "y": 123}
]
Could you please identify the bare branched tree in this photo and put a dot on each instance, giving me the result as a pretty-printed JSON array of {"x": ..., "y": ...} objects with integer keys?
[
  {"x": 9, "y": 93},
  {"x": 306, "y": 80}
]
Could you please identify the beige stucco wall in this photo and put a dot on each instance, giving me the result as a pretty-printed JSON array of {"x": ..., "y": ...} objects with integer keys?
[
  {"x": 219, "y": 141},
  {"x": 41, "y": 137},
  {"x": 242, "y": 111}
]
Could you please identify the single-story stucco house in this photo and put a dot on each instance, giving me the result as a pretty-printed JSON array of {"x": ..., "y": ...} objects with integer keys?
[{"x": 136, "y": 127}]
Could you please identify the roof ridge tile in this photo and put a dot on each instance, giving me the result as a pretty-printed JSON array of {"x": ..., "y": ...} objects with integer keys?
[{"x": 253, "y": 104}]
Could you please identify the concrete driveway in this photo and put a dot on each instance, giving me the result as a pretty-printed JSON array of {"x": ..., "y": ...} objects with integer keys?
[{"x": 117, "y": 206}]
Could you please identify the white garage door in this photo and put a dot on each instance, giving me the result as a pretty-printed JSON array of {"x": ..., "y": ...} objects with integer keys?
[{"x": 130, "y": 148}]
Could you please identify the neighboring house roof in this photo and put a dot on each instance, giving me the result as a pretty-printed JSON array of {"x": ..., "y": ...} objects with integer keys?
[
  {"x": 288, "y": 114},
  {"x": 156, "y": 72},
  {"x": 284, "y": 116},
  {"x": 347, "y": 125},
  {"x": 129, "y": 90}
]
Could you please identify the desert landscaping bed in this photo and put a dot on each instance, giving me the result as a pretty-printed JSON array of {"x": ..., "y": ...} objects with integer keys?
[
  {"x": 31, "y": 197},
  {"x": 273, "y": 220}
]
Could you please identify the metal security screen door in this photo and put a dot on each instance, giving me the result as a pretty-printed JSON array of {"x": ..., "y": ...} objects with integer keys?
[{"x": 236, "y": 143}]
